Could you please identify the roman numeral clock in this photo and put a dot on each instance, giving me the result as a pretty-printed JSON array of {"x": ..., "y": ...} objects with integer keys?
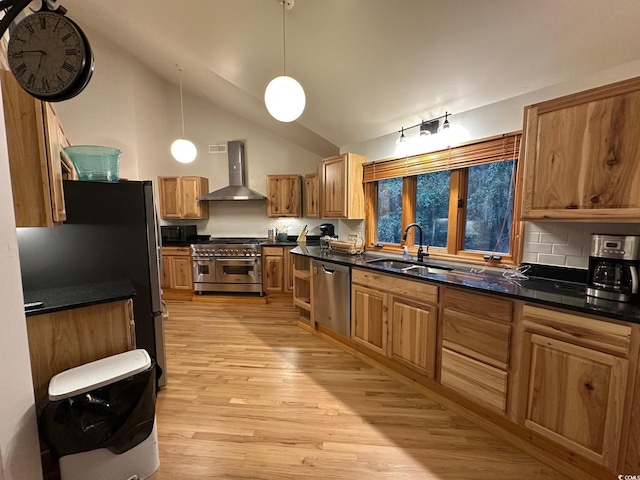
[{"x": 48, "y": 53}]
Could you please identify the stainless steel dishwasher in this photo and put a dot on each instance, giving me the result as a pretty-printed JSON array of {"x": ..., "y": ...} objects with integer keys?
[{"x": 332, "y": 296}]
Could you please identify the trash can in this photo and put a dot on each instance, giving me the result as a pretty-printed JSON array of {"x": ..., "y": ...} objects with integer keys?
[{"x": 100, "y": 419}]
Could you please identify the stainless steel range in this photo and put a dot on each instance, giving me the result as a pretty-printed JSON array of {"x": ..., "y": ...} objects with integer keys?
[{"x": 227, "y": 265}]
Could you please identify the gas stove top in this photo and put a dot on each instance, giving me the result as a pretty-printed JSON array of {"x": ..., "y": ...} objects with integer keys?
[{"x": 228, "y": 247}]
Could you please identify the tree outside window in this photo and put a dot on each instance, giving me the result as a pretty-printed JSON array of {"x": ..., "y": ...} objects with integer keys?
[
  {"x": 389, "y": 221},
  {"x": 432, "y": 207}
]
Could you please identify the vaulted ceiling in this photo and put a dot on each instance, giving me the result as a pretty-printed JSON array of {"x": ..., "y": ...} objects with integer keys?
[{"x": 368, "y": 66}]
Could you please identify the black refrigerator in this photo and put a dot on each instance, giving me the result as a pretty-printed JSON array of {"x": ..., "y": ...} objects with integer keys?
[{"x": 111, "y": 233}]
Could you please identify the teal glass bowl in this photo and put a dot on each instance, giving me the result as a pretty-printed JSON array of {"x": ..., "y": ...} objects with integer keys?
[{"x": 95, "y": 163}]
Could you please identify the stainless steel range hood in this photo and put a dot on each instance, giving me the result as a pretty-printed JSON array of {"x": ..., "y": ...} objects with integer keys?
[{"x": 237, "y": 189}]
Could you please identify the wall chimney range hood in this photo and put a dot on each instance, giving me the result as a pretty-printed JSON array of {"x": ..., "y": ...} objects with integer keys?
[{"x": 237, "y": 189}]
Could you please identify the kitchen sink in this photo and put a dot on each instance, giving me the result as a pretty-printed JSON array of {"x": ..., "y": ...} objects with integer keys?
[
  {"x": 422, "y": 269},
  {"x": 408, "y": 267}
]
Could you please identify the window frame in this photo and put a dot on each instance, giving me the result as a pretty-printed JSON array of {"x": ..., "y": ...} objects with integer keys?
[{"x": 457, "y": 191}]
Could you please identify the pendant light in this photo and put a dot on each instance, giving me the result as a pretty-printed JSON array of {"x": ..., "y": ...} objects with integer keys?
[
  {"x": 183, "y": 150},
  {"x": 284, "y": 96}
]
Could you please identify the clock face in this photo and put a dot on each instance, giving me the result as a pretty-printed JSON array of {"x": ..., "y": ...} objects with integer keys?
[{"x": 47, "y": 55}]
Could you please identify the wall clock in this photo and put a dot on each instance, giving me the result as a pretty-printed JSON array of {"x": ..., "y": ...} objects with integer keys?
[{"x": 50, "y": 56}]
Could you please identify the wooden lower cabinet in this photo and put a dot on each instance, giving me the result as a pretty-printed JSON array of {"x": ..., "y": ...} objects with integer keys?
[
  {"x": 177, "y": 268},
  {"x": 277, "y": 269},
  {"x": 412, "y": 330},
  {"x": 369, "y": 309},
  {"x": 392, "y": 321},
  {"x": 476, "y": 347},
  {"x": 574, "y": 379},
  {"x": 69, "y": 338},
  {"x": 477, "y": 381}
]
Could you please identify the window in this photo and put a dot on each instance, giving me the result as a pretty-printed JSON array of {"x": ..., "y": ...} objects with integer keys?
[
  {"x": 489, "y": 207},
  {"x": 462, "y": 198},
  {"x": 389, "y": 212},
  {"x": 432, "y": 207}
]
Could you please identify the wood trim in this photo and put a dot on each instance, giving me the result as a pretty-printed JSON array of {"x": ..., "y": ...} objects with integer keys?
[
  {"x": 371, "y": 207},
  {"x": 592, "y": 95},
  {"x": 409, "y": 188}
]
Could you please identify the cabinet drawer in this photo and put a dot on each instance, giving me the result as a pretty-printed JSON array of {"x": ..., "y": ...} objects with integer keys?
[
  {"x": 474, "y": 380},
  {"x": 486, "y": 306},
  {"x": 423, "y": 292},
  {"x": 276, "y": 251},
  {"x": 479, "y": 338},
  {"x": 183, "y": 251},
  {"x": 599, "y": 334}
]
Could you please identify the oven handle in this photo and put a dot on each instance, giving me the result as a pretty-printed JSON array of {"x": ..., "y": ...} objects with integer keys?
[
  {"x": 250, "y": 259},
  {"x": 196, "y": 259}
]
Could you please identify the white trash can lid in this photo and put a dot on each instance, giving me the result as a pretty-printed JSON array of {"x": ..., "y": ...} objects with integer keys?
[{"x": 105, "y": 371}]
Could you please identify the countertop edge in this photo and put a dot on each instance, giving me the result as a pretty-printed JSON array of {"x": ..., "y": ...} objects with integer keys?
[
  {"x": 628, "y": 312},
  {"x": 78, "y": 296}
]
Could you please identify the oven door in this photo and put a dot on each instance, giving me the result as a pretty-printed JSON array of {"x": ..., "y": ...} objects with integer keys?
[
  {"x": 238, "y": 270},
  {"x": 204, "y": 270}
]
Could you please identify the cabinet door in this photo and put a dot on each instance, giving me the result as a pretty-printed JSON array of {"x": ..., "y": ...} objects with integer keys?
[
  {"x": 575, "y": 397},
  {"x": 284, "y": 196},
  {"x": 167, "y": 274},
  {"x": 288, "y": 269},
  {"x": 169, "y": 193},
  {"x": 182, "y": 272},
  {"x": 413, "y": 334},
  {"x": 191, "y": 188},
  {"x": 273, "y": 273},
  {"x": 581, "y": 154},
  {"x": 27, "y": 149},
  {"x": 334, "y": 187},
  {"x": 369, "y": 318},
  {"x": 311, "y": 195},
  {"x": 54, "y": 162}
]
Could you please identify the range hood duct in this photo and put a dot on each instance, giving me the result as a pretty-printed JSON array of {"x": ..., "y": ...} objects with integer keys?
[{"x": 237, "y": 189}]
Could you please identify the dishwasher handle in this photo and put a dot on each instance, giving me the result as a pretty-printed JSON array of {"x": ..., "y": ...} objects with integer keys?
[{"x": 328, "y": 271}]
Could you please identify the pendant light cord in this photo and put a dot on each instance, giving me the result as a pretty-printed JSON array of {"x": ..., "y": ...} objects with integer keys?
[
  {"x": 284, "y": 41},
  {"x": 181, "y": 102}
]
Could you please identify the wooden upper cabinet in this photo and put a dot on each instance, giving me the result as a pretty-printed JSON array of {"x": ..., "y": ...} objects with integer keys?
[
  {"x": 581, "y": 156},
  {"x": 34, "y": 142},
  {"x": 177, "y": 197},
  {"x": 311, "y": 195},
  {"x": 342, "y": 187},
  {"x": 284, "y": 196}
]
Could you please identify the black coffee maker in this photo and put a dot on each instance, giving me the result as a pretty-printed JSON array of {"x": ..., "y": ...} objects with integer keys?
[
  {"x": 613, "y": 267},
  {"x": 326, "y": 229}
]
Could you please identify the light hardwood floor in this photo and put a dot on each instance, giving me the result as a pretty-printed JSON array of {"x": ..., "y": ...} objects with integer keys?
[{"x": 253, "y": 396}]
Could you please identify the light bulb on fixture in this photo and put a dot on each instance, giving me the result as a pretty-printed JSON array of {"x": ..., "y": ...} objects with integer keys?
[
  {"x": 284, "y": 96},
  {"x": 402, "y": 138},
  {"x": 183, "y": 150}
]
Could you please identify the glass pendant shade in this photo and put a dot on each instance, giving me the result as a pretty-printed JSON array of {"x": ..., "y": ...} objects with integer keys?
[
  {"x": 184, "y": 151},
  {"x": 284, "y": 98}
]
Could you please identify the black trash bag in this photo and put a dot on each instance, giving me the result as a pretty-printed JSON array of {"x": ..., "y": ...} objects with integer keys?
[{"x": 117, "y": 416}]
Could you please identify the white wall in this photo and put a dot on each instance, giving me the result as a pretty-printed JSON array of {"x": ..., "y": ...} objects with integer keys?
[
  {"x": 19, "y": 445},
  {"x": 128, "y": 106},
  {"x": 563, "y": 244}
]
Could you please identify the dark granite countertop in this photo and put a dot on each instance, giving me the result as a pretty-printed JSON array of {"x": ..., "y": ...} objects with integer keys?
[
  {"x": 65, "y": 298},
  {"x": 553, "y": 293}
]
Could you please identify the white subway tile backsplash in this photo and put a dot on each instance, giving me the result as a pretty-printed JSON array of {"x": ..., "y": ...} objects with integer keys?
[
  {"x": 548, "y": 259},
  {"x": 577, "y": 262},
  {"x": 539, "y": 248},
  {"x": 554, "y": 238},
  {"x": 567, "y": 244},
  {"x": 532, "y": 237},
  {"x": 574, "y": 250}
]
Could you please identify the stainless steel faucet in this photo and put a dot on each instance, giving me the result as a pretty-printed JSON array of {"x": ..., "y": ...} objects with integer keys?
[{"x": 421, "y": 253}]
